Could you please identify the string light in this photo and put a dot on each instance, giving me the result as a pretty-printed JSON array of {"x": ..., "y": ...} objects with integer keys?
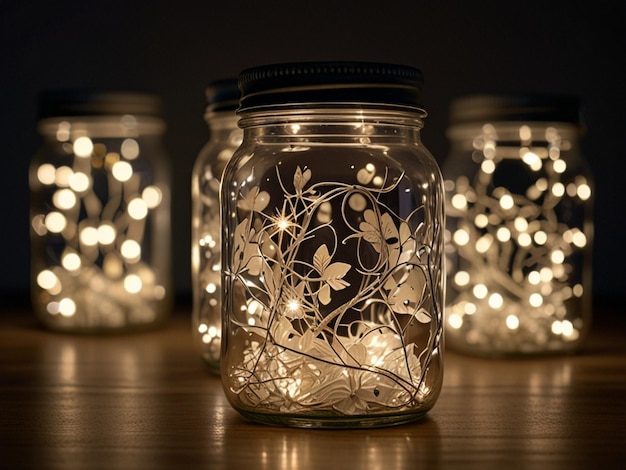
[
  {"x": 511, "y": 255},
  {"x": 98, "y": 279}
]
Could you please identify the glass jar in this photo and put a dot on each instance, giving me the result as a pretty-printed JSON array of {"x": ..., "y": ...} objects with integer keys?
[
  {"x": 100, "y": 213},
  {"x": 519, "y": 225},
  {"x": 206, "y": 229},
  {"x": 332, "y": 249}
]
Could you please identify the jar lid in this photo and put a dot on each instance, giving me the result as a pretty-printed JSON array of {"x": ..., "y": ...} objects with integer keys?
[
  {"x": 85, "y": 102},
  {"x": 223, "y": 95},
  {"x": 547, "y": 107},
  {"x": 281, "y": 85}
]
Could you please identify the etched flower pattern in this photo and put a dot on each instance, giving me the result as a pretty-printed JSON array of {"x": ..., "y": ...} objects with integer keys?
[{"x": 328, "y": 316}]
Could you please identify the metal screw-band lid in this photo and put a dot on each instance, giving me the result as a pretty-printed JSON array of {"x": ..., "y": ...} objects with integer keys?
[
  {"x": 480, "y": 108},
  {"x": 290, "y": 84},
  {"x": 84, "y": 102}
]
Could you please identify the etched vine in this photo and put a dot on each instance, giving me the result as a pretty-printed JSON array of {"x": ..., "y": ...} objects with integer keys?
[{"x": 327, "y": 316}]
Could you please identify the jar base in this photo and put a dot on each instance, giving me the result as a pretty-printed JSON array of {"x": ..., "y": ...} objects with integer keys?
[{"x": 333, "y": 421}]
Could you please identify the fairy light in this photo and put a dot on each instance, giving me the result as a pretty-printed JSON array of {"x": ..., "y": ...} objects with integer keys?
[
  {"x": 83, "y": 147},
  {"x": 55, "y": 222},
  {"x": 559, "y": 166},
  {"x": 62, "y": 176},
  {"x": 534, "y": 278},
  {"x": 540, "y": 237},
  {"x": 91, "y": 222},
  {"x": 89, "y": 236},
  {"x": 459, "y": 201},
  {"x": 462, "y": 278},
  {"x": 64, "y": 199},
  {"x": 506, "y": 202},
  {"x": 512, "y": 322},
  {"x": 130, "y": 250},
  {"x": 578, "y": 290},
  {"x": 152, "y": 196},
  {"x": 46, "y": 279},
  {"x": 481, "y": 220},
  {"x": 46, "y": 174},
  {"x": 488, "y": 167},
  {"x": 524, "y": 240},
  {"x": 584, "y": 191},
  {"x": 122, "y": 171},
  {"x": 106, "y": 234},
  {"x": 293, "y": 305},
  {"x": 480, "y": 291},
  {"x": 71, "y": 261},
  {"x": 461, "y": 237},
  {"x": 484, "y": 243},
  {"x": 129, "y": 149},
  {"x": 67, "y": 307},
  {"x": 503, "y": 234},
  {"x": 495, "y": 301},
  {"x": 79, "y": 182},
  {"x": 517, "y": 265},
  {"x": 282, "y": 224},
  {"x": 535, "y": 300},
  {"x": 137, "y": 209},
  {"x": 532, "y": 160},
  {"x": 557, "y": 257},
  {"x": 133, "y": 284},
  {"x": 558, "y": 189},
  {"x": 455, "y": 320},
  {"x": 521, "y": 224}
]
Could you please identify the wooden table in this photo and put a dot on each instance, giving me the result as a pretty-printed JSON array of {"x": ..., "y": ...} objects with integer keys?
[{"x": 144, "y": 401}]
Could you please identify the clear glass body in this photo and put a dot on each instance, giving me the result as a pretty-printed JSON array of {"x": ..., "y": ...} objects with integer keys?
[
  {"x": 333, "y": 277},
  {"x": 100, "y": 224},
  {"x": 206, "y": 233},
  {"x": 519, "y": 237}
]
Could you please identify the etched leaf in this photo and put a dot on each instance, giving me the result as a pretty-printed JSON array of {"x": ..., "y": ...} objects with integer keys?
[
  {"x": 334, "y": 274},
  {"x": 423, "y": 316},
  {"x": 408, "y": 292},
  {"x": 321, "y": 259},
  {"x": 301, "y": 178},
  {"x": 324, "y": 294},
  {"x": 331, "y": 274},
  {"x": 254, "y": 200}
]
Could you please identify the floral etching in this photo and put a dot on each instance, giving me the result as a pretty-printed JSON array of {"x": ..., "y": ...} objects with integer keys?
[{"x": 333, "y": 322}]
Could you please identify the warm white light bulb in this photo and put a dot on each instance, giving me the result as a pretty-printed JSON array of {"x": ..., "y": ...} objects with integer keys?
[
  {"x": 83, "y": 147},
  {"x": 122, "y": 171}
]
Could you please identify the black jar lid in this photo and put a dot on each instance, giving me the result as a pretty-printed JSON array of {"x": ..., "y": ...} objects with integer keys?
[
  {"x": 92, "y": 102},
  {"x": 546, "y": 107},
  {"x": 223, "y": 95},
  {"x": 287, "y": 84}
]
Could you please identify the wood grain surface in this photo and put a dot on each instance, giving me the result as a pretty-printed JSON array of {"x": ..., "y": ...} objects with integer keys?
[{"x": 145, "y": 401}]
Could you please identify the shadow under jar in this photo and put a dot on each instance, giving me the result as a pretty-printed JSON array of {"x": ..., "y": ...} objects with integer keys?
[{"x": 332, "y": 249}]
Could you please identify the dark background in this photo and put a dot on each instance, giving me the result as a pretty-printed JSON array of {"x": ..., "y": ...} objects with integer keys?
[{"x": 176, "y": 48}]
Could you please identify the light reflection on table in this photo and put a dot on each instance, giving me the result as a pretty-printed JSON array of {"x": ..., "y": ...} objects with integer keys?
[{"x": 145, "y": 401}]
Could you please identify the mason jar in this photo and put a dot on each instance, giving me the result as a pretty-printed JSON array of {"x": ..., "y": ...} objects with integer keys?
[
  {"x": 519, "y": 225},
  {"x": 332, "y": 249},
  {"x": 206, "y": 229},
  {"x": 100, "y": 212}
]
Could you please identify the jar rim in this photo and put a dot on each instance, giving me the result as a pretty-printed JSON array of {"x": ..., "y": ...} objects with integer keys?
[{"x": 332, "y": 112}]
